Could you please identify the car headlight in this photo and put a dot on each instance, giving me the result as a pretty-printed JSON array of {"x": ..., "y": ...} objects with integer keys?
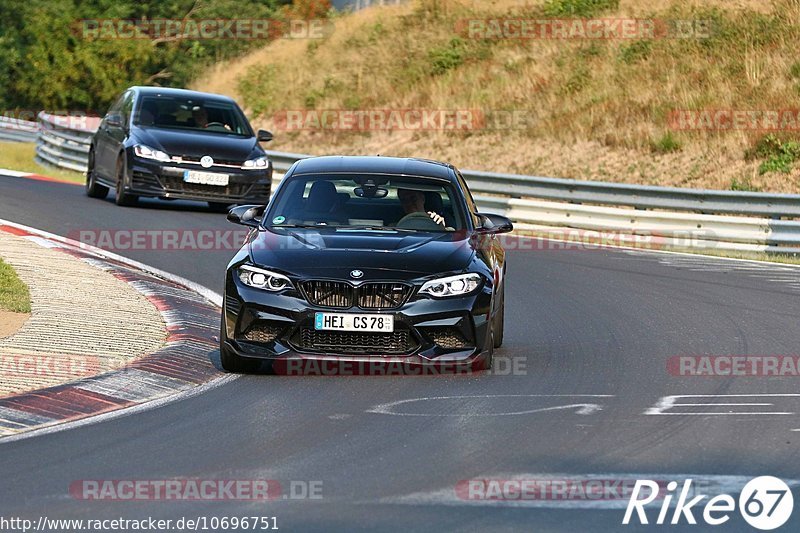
[
  {"x": 260, "y": 278},
  {"x": 146, "y": 152},
  {"x": 256, "y": 164},
  {"x": 451, "y": 286}
]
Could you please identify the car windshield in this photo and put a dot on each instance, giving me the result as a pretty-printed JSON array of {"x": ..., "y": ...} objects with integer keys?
[
  {"x": 196, "y": 114},
  {"x": 374, "y": 202}
]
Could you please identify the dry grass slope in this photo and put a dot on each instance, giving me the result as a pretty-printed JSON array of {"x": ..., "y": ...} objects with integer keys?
[{"x": 598, "y": 109}]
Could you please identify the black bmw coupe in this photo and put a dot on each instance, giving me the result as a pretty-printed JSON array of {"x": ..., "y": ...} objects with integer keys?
[
  {"x": 362, "y": 262},
  {"x": 178, "y": 144}
]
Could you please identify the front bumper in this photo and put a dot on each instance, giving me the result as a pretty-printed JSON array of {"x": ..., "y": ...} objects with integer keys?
[
  {"x": 165, "y": 180},
  {"x": 433, "y": 335}
]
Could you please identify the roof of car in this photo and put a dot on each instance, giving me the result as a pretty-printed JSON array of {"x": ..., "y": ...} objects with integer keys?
[
  {"x": 403, "y": 166},
  {"x": 185, "y": 93}
]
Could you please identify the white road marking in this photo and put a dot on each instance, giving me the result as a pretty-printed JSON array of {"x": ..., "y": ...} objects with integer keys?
[
  {"x": 44, "y": 243},
  {"x": 580, "y": 408},
  {"x": 14, "y": 173},
  {"x": 666, "y": 403}
]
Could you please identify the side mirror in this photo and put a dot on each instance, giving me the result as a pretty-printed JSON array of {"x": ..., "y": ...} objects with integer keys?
[
  {"x": 264, "y": 136},
  {"x": 247, "y": 215},
  {"x": 114, "y": 120},
  {"x": 491, "y": 223}
]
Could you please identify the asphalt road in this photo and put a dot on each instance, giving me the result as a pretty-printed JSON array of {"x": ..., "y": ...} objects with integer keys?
[{"x": 590, "y": 329}]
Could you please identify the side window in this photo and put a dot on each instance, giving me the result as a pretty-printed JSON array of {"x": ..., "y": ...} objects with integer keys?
[
  {"x": 116, "y": 107},
  {"x": 470, "y": 200},
  {"x": 126, "y": 107}
]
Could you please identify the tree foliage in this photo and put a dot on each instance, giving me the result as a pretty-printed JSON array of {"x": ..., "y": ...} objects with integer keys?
[{"x": 47, "y": 61}]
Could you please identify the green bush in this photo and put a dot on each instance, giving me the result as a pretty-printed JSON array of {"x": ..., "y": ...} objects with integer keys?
[
  {"x": 667, "y": 143},
  {"x": 778, "y": 155},
  {"x": 447, "y": 57}
]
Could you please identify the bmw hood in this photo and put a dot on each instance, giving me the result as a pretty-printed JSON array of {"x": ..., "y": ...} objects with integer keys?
[
  {"x": 378, "y": 254},
  {"x": 184, "y": 143}
]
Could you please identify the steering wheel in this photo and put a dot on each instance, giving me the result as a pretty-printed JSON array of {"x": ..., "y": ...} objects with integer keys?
[
  {"x": 419, "y": 220},
  {"x": 216, "y": 125}
]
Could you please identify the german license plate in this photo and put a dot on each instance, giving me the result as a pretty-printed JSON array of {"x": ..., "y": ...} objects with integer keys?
[
  {"x": 205, "y": 178},
  {"x": 352, "y": 322}
]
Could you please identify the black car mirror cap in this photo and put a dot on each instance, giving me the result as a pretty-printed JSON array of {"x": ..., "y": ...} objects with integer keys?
[
  {"x": 114, "y": 120},
  {"x": 264, "y": 136},
  {"x": 247, "y": 215},
  {"x": 491, "y": 223}
]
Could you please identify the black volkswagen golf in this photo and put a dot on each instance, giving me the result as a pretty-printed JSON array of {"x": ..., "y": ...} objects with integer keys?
[
  {"x": 178, "y": 144},
  {"x": 362, "y": 263}
]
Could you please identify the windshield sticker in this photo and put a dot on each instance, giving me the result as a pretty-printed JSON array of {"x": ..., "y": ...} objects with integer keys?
[{"x": 279, "y": 220}]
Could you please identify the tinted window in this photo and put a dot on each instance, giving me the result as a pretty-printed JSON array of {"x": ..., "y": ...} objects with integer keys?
[
  {"x": 126, "y": 107},
  {"x": 398, "y": 202},
  {"x": 117, "y": 105},
  {"x": 194, "y": 114}
]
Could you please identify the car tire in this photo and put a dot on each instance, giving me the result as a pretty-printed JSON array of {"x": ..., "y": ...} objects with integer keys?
[
  {"x": 122, "y": 198},
  {"x": 231, "y": 362},
  {"x": 499, "y": 321},
  {"x": 487, "y": 363},
  {"x": 218, "y": 207},
  {"x": 94, "y": 189}
]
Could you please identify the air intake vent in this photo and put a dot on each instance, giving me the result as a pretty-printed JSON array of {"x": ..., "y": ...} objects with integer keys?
[
  {"x": 263, "y": 331},
  {"x": 329, "y": 293},
  {"x": 342, "y": 295},
  {"x": 352, "y": 343},
  {"x": 382, "y": 295},
  {"x": 448, "y": 338}
]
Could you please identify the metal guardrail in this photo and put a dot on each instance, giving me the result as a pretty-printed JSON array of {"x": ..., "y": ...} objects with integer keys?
[
  {"x": 64, "y": 141},
  {"x": 12, "y": 129},
  {"x": 605, "y": 193},
  {"x": 686, "y": 218},
  {"x": 676, "y": 217}
]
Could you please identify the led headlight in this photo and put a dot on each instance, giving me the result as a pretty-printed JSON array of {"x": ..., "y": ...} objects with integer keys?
[
  {"x": 451, "y": 286},
  {"x": 256, "y": 164},
  {"x": 146, "y": 152},
  {"x": 263, "y": 279}
]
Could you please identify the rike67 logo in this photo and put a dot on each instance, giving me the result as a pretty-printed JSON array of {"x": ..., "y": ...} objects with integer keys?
[{"x": 765, "y": 503}]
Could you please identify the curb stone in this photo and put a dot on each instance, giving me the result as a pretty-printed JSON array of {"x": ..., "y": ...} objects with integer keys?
[{"x": 182, "y": 363}]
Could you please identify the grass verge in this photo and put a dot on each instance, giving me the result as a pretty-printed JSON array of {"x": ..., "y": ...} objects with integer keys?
[
  {"x": 20, "y": 157},
  {"x": 14, "y": 295}
]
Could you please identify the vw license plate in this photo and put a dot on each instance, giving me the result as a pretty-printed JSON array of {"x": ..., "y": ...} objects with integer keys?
[
  {"x": 350, "y": 322},
  {"x": 205, "y": 178}
]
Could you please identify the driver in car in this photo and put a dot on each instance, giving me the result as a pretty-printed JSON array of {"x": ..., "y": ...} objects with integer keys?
[
  {"x": 413, "y": 203},
  {"x": 200, "y": 116}
]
